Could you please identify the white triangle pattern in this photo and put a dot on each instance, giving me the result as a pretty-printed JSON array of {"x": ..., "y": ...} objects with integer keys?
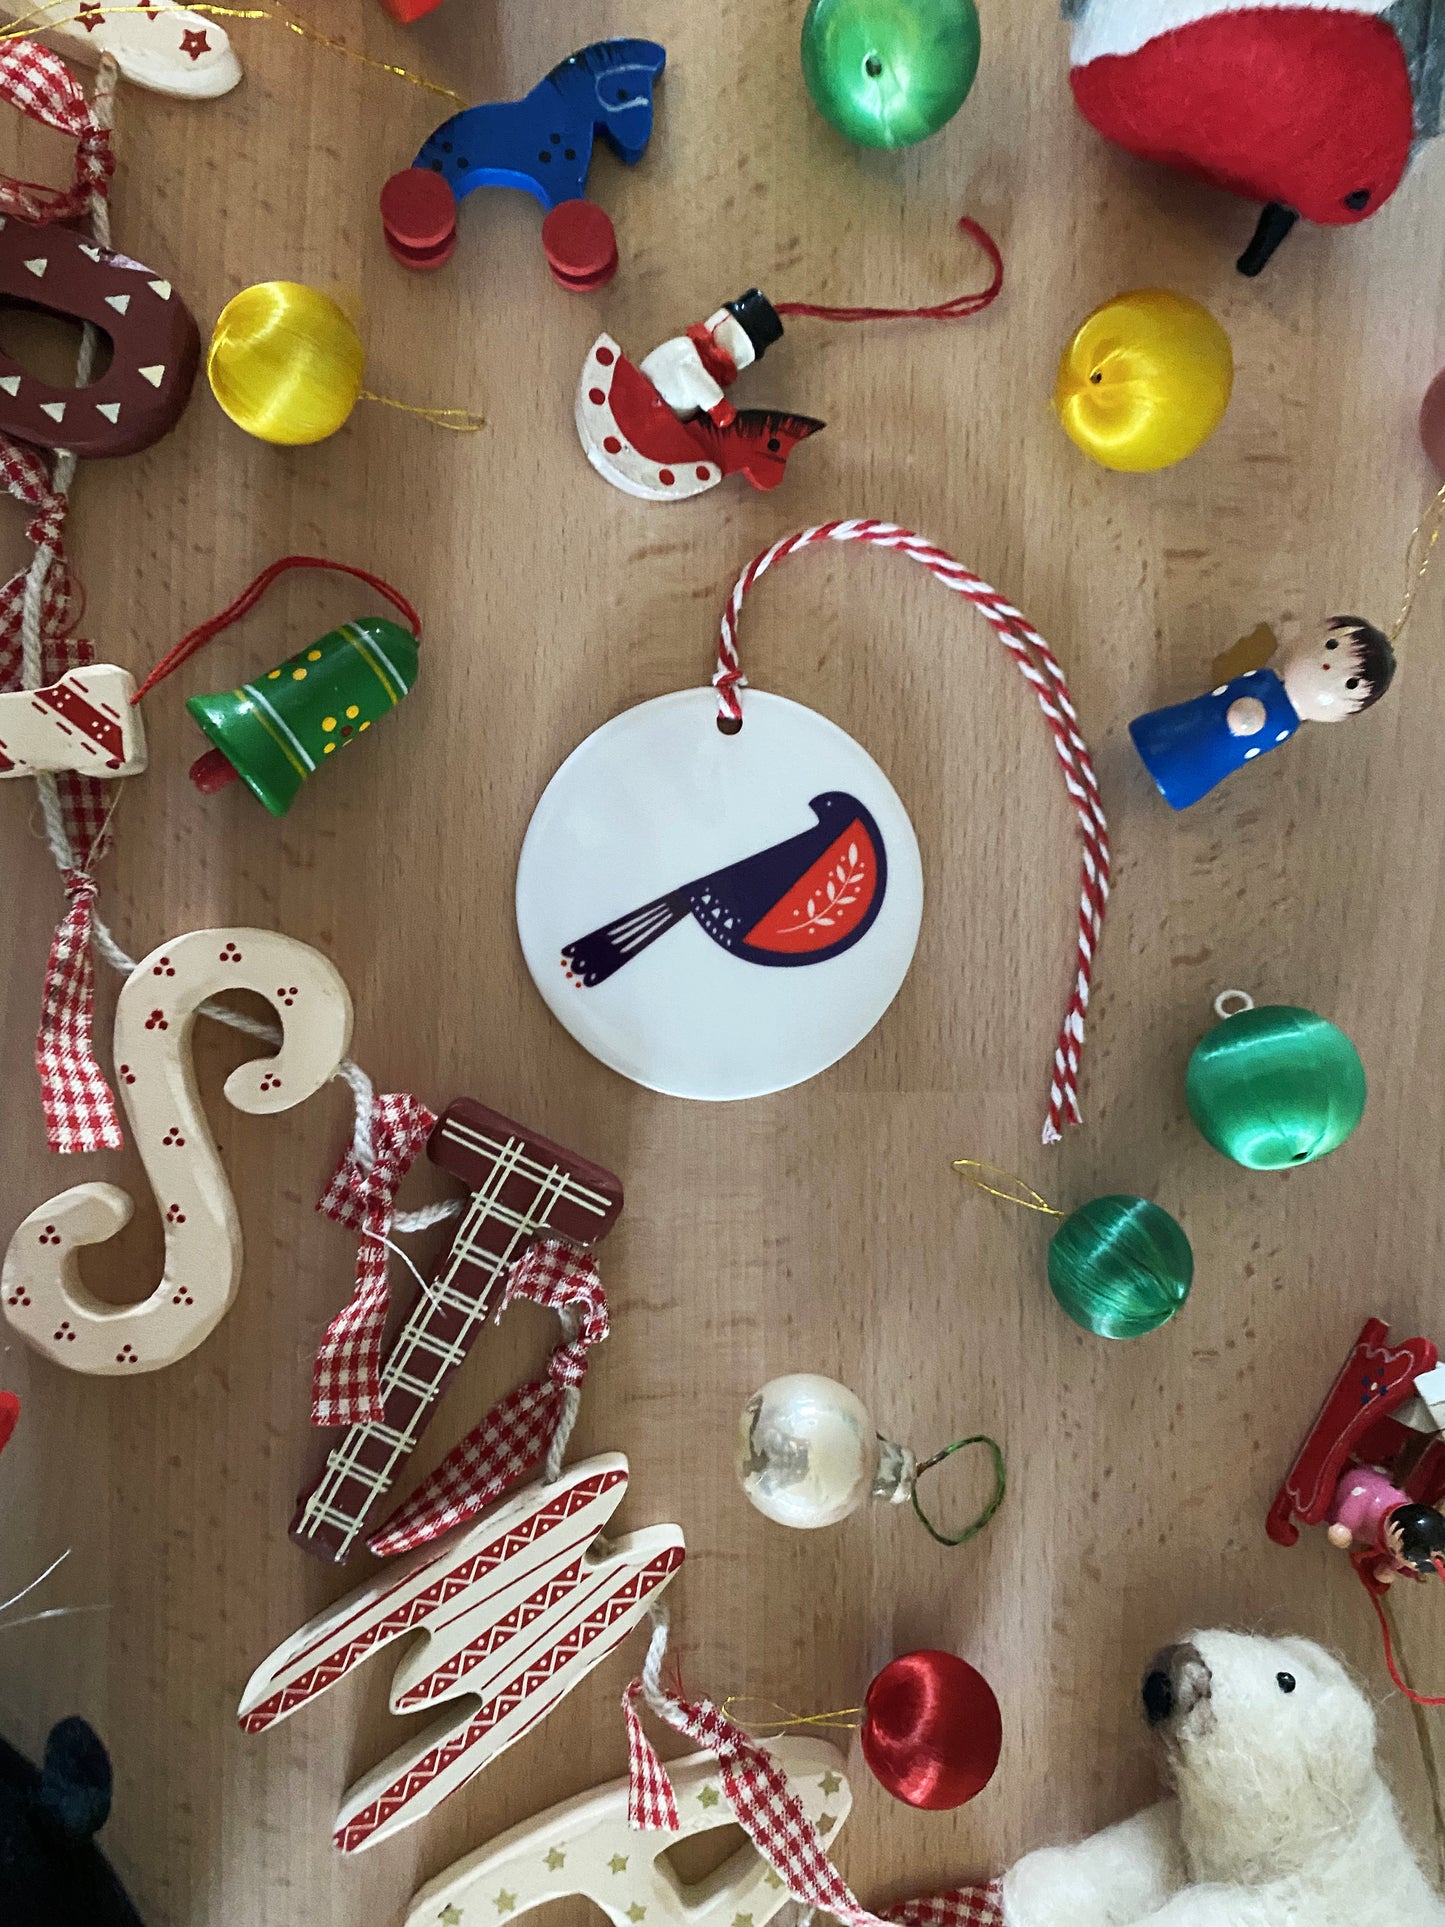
[
  {"x": 120, "y": 302},
  {"x": 38, "y": 266},
  {"x": 10, "y": 383},
  {"x": 155, "y": 374},
  {"x": 162, "y": 288},
  {"x": 110, "y": 409},
  {"x": 55, "y": 410}
]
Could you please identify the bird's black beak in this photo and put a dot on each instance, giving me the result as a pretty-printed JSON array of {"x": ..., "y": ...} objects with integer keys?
[{"x": 1275, "y": 222}]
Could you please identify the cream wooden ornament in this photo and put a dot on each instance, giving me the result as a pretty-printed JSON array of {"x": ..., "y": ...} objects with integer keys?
[
  {"x": 41, "y": 1288},
  {"x": 517, "y": 1608},
  {"x": 85, "y": 722},
  {"x": 157, "y": 45},
  {"x": 585, "y": 1848}
]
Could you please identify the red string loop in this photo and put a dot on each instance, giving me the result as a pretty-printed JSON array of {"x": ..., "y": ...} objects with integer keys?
[
  {"x": 1374, "y": 1590},
  {"x": 959, "y": 308},
  {"x": 198, "y": 637}
]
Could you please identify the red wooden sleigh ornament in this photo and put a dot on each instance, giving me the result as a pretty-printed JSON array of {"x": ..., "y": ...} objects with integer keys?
[{"x": 1355, "y": 1424}]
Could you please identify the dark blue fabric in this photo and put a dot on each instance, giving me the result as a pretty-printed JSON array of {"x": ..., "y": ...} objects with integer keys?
[{"x": 1188, "y": 748}]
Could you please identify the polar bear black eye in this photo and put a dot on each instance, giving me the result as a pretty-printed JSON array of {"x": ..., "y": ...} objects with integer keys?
[{"x": 1285, "y": 1682}]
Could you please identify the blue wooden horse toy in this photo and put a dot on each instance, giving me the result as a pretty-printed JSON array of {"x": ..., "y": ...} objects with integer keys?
[{"x": 541, "y": 144}]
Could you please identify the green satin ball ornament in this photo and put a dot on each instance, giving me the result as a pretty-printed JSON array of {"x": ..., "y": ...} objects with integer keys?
[
  {"x": 887, "y": 73},
  {"x": 1274, "y": 1086},
  {"x": 1120, "y": 1267}
]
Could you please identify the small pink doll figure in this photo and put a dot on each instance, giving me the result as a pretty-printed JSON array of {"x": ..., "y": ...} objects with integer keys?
[
  {"x": 1190, "y": 747},
  {"x": 1368, "y": 1510}
]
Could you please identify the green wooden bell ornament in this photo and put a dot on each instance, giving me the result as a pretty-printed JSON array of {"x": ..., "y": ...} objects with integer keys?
[{"x": 276, "y": 731}]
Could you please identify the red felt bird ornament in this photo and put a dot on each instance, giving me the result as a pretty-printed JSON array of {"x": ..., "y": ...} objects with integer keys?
[{"x": 1313, "y": 108}]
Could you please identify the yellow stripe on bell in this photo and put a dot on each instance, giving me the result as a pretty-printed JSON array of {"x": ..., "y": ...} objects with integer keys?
[{"x": 276, "y": 731}]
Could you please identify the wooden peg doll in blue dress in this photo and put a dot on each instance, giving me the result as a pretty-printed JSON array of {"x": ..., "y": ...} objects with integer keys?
[{"x": 1190, "y": 747}]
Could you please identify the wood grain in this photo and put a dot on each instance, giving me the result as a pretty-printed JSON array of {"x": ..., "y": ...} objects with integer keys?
[{"x": 821, "y": 1229}]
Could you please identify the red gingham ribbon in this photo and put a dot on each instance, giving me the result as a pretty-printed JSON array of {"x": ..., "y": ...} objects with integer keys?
[
  {"x": 772, "y": 1816},
  {"x": 651, "y": 1802},
  {"x": 346, "y": 1379},
  {"x": 80, "y": 1113},
  {"x": 1040, "y": 668},
  {"x": 515, "y": 1435},
  {"x": 44, "y": 89},
  {"x": 79, "y": 1109}
]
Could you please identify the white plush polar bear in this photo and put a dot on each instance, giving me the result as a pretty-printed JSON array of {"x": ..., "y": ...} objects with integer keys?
[{"x": 1280, "y": 1817}]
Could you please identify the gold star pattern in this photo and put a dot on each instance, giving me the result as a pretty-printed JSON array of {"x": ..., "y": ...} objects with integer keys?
[
  {"x": 742, "y": 1920},
  {"x": 556, "y": 1858},
  {"x": 450, "y": 1917},
  {"x": 709, "y": 1797},
  {"x": 505, "y": 1902},
  {"x": 618, "y": 1863},
  {"x": 636, "y": 1912},
  {"x": 772, "y": 1879},
  {"x": 830, "y": 1783},
  {"x": 826, "y": 1824}
]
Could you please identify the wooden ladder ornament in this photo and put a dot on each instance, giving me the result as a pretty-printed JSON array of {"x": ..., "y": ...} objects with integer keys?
[
  {"x": 44, "y": 1297},
  {"x": 524, "y": 1188},
  {"x": 584, "y": 1848},
  {"x": 84, "y": 722},
  {"x": 517, "y": 1608}
]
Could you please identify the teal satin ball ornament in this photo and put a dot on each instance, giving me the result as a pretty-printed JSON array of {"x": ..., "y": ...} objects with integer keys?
[
  {"x": 1274, "y": 1086},
  {"x": 887, "y": 73},
  {"x": 1120, "y": 1267}
]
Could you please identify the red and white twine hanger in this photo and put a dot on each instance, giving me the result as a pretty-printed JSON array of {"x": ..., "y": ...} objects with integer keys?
[{"x": 1040, "y": 668}]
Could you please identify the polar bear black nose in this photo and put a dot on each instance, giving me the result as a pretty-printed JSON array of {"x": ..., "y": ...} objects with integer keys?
[{"x": 1158, "y": 1698}]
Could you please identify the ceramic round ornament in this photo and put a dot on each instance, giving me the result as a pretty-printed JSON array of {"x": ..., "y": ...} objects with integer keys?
[
  {"x": 719, "y": 915},
  {"x": 719, "y": 895}
]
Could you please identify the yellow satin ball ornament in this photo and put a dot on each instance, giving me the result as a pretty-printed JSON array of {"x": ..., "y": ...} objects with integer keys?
[
  {"x": 285, "y": 363},
  {"x": 1145, "y": 381}
]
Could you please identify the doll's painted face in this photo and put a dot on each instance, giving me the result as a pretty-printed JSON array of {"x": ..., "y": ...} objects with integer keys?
[{"x": 1345, "y": 671}]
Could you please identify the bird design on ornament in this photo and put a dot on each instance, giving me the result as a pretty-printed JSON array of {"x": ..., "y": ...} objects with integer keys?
[
  {"x": 666, "y": 430},
  {"x": 1315, "y": 109},
  {"x": 802, "y": 901}
]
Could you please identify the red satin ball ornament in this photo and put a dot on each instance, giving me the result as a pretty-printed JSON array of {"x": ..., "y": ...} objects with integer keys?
[{"x": 932, "y": 1731}]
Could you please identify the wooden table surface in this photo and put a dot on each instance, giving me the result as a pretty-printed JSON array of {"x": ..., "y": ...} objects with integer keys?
[{"x": 821, "y": 1229}]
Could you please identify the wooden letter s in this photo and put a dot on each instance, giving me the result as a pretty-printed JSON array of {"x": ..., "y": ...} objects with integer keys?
[{"x": 44, "y": 1298}]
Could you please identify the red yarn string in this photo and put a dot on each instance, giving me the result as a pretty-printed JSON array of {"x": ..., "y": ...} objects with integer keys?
[
  {"x": 198, "y": 637},
  {"x": 1418, "y": 1699},
  {"x": 957, "y": 309}
]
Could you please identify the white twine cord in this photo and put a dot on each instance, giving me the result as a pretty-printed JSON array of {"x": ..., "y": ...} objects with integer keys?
[
  {"x": 571, "y": 1404},
  {"x": 38, "y": 573},
  {"x": 651, "y": 1673}
]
